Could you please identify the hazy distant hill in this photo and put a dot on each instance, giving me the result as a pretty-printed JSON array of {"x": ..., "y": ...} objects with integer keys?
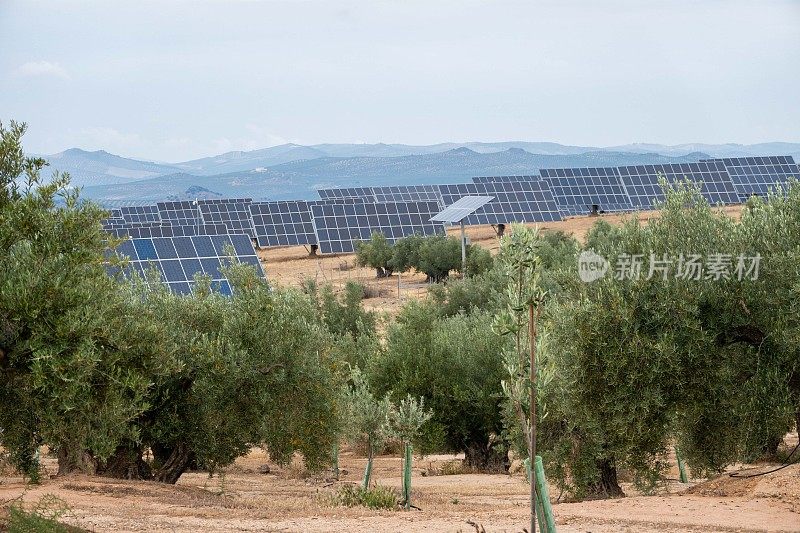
[
  {"x": 295, "y": 167},
  {"x": 300, "y": 179},
  {"x": 101, "y": 168}
]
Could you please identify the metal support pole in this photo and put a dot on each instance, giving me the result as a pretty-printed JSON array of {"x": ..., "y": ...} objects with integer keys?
[{"x": 463, "y": 251}]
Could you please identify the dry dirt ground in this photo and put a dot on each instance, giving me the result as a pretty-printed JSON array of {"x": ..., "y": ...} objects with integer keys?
[{"x": 286, "y": 500}]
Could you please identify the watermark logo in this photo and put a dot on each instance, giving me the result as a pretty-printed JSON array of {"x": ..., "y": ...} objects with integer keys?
[
  {"x": 591, "y": 266},
  {"x": 690, "y": 267}
]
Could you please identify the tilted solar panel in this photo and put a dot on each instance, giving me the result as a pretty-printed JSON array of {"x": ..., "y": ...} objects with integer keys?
[
  {"x": 288, "y": 222},
  {"x": 489, "y": 179},
  {"x": 514, "y": 201},
  {"x": 758, "y": 175},
  {"x": 577, "y": 190},
  {"x": 461, "y": 209},
  {"x": 140, "y": 214},
  {"x": 234, "y": 214},
  {"x": 347, "y": 192},
  {"x": 408, "y": 193},
  {"x": 284, "y": 223},
  {"x": 178, "y": 259},
  {"x": 642, "y": 182},
  {"x": 181, "y": 213},
  {"x": 339, "y": 226}
]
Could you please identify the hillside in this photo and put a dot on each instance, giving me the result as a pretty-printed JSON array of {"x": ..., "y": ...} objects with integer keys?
[
  {"x": 103, "y": 168},
  {"x": 300, "y": 179},
  {"x": 295, "y": 169}
]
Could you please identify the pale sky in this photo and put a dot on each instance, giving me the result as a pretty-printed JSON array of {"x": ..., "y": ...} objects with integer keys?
[{"x": 172, "y": 80}]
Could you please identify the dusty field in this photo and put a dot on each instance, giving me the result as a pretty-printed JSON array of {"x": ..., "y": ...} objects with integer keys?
[{"x": 284, "y": 501}]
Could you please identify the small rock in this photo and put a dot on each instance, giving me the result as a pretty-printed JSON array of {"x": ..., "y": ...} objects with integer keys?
[{"x": 263, "y": 469}]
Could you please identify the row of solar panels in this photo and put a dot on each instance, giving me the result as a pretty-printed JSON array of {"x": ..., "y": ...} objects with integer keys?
[
  {"x": 626, "y": 188},
  {"x": 343, "y": 216}
]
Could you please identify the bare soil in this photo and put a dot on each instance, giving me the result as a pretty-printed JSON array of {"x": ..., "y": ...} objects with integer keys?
[{"x": 286, "y": 500}]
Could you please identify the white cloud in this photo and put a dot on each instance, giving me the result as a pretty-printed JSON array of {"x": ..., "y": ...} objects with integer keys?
[{"x": 42, "y": 68}]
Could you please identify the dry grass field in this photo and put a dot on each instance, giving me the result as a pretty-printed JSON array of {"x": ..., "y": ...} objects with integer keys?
[{"x": 288, "y": 499}]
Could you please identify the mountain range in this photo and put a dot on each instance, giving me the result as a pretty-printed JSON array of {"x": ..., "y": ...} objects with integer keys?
[{"x": 296, "y": 171}]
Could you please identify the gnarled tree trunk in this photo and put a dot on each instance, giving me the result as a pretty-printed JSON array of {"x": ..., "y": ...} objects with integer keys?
[
  {"x": 607, "y": 486},
  {"x": 75, "y": 461},
  {"x": 126, "y": 463},
  {"x": 178, "y": 461}
]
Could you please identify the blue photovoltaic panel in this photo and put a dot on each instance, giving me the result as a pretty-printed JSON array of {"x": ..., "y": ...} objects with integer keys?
[
  {"x": 140, "y": 214},
  {"x": 182, "y": 213},
  {"x": 339, "y": 226},
  {"x": 490, "y": 179},
  {"x": 514, "y": 201},
  {"x": 178, "y": 259},
  {"x": 234, "y": 214},
  {"x": 408, "y": 193},
  {"x": 288, "y": 222},
  {"x": 347, "y": 192},
  {"x": 141, "y": 232},
  {"x": 576, "y": 190},
  {"x": 285, "y": 223},
  {"x": 641, "y": 182},
  {"x": 394, "y": 193},
  {"x": 758, "y": 175}
]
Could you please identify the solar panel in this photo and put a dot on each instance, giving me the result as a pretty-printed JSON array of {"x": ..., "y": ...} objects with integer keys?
[
  {"x": 182, "y": 213},
  {"x": 490, "y": 179},
  {"x": 288, "y": 222},
  {"x": 234, "y": 214},
  {"x": 577, "y": 190},
  {"x": 758, "y": 175},
  {"x": 140, "y": 214},
  {"x": 284, "y": 223},
  {"x": 407, "y": 193},
  {"x": 200, "y": 229},
  {"x": 514, "y": 201},
  {"x": 461, "y": 209},
  {"x": 141, "y": 232},
  {"x": 178, "y": 259},
  {"x": 641, "y": 182},
  {"x": 339, "y": 226},
  {"x": 347, "y": 192}
]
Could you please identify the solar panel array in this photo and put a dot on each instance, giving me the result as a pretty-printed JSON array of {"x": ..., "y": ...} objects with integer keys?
[
  {"x": 576, "y": 190},
  {"x": 344, "y": 216},
  {"x": 758, "y": 175},
  {"x": 339, "y": 226},
  {"x": 642, "y": 181},
  {"x": 288, "y": 222},
  {"x": 514, "y": 201},
  {"x": 178, "y": 259}
]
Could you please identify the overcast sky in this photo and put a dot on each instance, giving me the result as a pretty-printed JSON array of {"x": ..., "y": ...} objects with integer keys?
[{"x": 173, "y": 80}]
